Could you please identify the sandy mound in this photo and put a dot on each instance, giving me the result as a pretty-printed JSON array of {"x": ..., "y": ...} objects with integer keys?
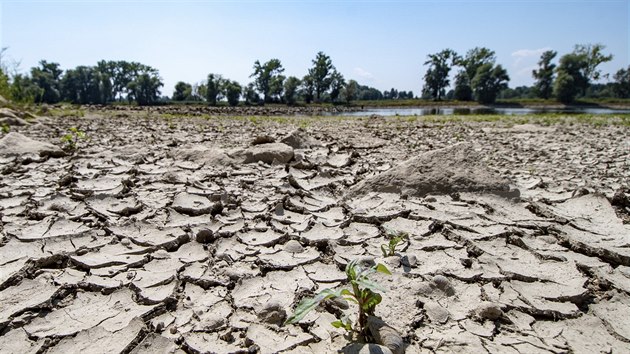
[{"x": 457, "y": 168}]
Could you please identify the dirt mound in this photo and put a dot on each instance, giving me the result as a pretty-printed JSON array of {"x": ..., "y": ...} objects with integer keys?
[
  {"x": 457, "y": 168},
  {"x": 16, "y": 144}
]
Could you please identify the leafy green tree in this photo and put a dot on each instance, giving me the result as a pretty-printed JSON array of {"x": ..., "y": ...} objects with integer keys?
[
  {"x": 545, "y": 74},
  {"x": 622, "y": 83},
  {"x": 571, "y": 78},
  {"x": 251, "y": 96},
  {"x": 488, "y": 82},
  {"x": 308, "y": 88},
  {"x": 214, "y": 88},
  {"x": 145, "y": 88},
  {"x": 183, "y": 91},
  {"x": 564, "y": 87},
  {"x": 48, "y": 78},
  {"x": 581, "y": 66},
  {"x": 291, "y": 85},
  {"x": 268, "y": 80},
  {"x": 5, "y": 88},
  {"x": 336, "y": 85},
  {"x": 199, "y": 91},
  {"x": 474, "y": 58},
  {"x": 23, "y": 89},
  {"x": 593, "y": 57},
  {"x": 462, "y": 91},
  {"x": 83, "y": 85},
  {"x": 321, "y": 74},
  {"x": 232, "y": 92},
  {"x": 350, "y": 91},
  {"x": 436, "y": 78}
]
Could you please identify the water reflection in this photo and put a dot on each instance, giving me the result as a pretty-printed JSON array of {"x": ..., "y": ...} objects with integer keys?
[{"x": 483, "y": 110}]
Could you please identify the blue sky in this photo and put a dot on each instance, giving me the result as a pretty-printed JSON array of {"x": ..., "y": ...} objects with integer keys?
[{"x": 378, "y": 43}]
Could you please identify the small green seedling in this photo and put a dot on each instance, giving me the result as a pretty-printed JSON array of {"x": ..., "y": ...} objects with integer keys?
[
  {"x": 6, "y": 128},
  {"x": 396, "y": 238},
  {"x": 70, "y": 140},
  {"x": 364, "y": 293}
]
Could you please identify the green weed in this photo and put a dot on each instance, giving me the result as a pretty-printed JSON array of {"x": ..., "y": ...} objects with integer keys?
[
  {"x": 71, "y": 139},
  {"x": 364, "y": 294},
  {"x": 396, "y": 238},
  {"x": 6, "y": 128}
]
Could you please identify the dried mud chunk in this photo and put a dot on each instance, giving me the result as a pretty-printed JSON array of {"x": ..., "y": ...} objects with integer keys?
[
  {"x": 268, "y": 153},
  {"x": 293, "y": 246},
  {"x": 278, "y": 258},
  {"x": 365, "y": 348},
  {"x": 16, "y": 144},
  {"x": 254, "y": 293},
  {"x": 444, "y": 171},
  {"x": 256, "y": 238},
  {"x": 436, "y": 312},
  {"x": 272, "y": 312},
  {"x": 201, "y": 342},
  {"x": 271, "y": 341},
  {"x": 320, "y": 233},
  {"x": 28, "y": 294},
  {"x": 385, "y": 334},
  {"x": 99, "y": 340},
  {"x": 194, "y": 205},
  {"x": 17, "y": 341},
  {"x": 615, "y": 313},
  {"x": 52, "y": 228},
  {"x": 154, "y": 343},
  {"x": 488, "y": 311},
  {"x": 299, "y": 139},
  {"x": 111, "y": 255},
  {"x": 146, "y": 234},
  {"x": 112, "y": 312}
]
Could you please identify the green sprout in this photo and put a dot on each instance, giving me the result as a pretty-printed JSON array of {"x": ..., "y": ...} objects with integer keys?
[
  {"x": 6, "y": 128},
  {"x": 396, "y": 238},
  {"x": 364, "y": 293},
  {"x": 70, "y": 140}
]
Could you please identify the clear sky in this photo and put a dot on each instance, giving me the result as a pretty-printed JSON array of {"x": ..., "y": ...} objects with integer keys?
[{"x": 378, "y": 43}]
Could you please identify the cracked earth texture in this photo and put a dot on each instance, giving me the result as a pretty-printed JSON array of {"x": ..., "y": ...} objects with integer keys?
[{"x": 179, "y": 235}]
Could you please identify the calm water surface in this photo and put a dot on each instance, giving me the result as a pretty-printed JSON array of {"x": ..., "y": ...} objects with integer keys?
[{"x": 464, "y": 111}]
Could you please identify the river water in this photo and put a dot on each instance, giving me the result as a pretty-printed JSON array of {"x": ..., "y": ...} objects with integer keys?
[{"x": 404, "y": 111}]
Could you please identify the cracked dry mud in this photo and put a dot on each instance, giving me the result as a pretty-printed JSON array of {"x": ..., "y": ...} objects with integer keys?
[{"x": 179, "y": 235}]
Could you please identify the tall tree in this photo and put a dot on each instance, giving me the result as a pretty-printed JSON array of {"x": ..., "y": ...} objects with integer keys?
[
  {"x": 308, "y": 88},
  {"x": 86, "y": 85},
  {"x": 336, "y": 85},
  {"x": 23, "y": 89},
  {"x": 593, "y": 57},
  {"x": 488, "y": 81},
  {"x": 474, "y": 58},
  {"x": 622, "y": 83},
  {"x": 145, "y": 87},
  {"x": 214, "y": 87},
  {"x": 350, "y": 91},
  {"x": 291, "y": 85},
  {"x": 545, "y": 74},
  {"x": 267, "y": 78},
  {"x": 183, "y": 91},
  {"x": 232, "y": 92},
  {"x": 462, "y": 91},
  {"x": 48, "y": 78},
  {"x": 577, "y": 69},
  {"x": 436, "y": 78},
  {"x": 321, "y": 74},
  {"x": 251, "y": 96}
]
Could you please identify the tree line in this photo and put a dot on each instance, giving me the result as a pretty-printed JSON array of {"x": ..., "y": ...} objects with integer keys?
[
  {"x": 478, "y": 78},
  {"x": 322, "y": 83},
  {"x": 481, "y": 79}
]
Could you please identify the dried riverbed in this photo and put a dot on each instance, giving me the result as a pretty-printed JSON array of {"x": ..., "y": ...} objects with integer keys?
[{"x": 164, "y": 233}]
